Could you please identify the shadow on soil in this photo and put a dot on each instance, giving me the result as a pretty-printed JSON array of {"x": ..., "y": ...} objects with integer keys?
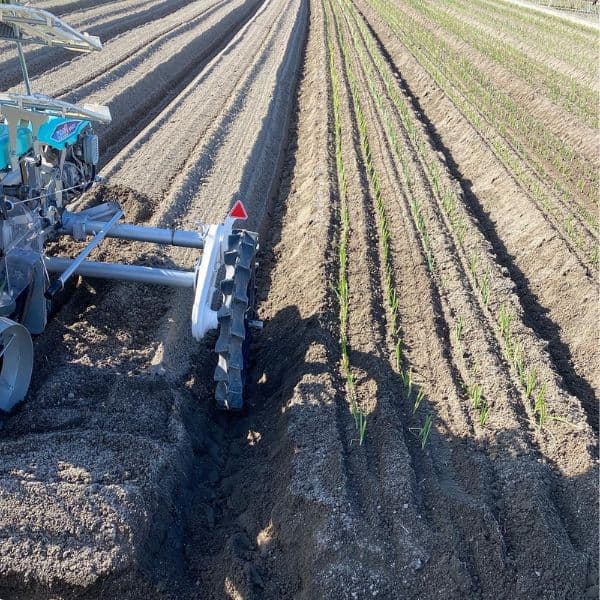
[
  {"x": 207, "y": 534},
  {"x": 535, "y": 315}
]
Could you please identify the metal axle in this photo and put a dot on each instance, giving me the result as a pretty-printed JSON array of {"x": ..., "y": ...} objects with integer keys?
[
  {"x": 171, "y": 237},
  {"x": 59, "y": 284},
  {"x": 102, "y": 270},
  {"x": 91, "y": 220}
]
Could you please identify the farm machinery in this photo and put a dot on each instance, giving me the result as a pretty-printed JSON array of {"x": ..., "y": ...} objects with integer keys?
[{"x": 49, "y": 156}]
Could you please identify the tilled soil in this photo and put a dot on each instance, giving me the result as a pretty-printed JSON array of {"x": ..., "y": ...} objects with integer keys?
[{"x": 120, "y": 480}]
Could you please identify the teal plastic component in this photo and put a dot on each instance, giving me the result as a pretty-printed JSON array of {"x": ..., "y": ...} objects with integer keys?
[
  {"x": 59, "y": 132},
  {"x": 24, "y": 143}
]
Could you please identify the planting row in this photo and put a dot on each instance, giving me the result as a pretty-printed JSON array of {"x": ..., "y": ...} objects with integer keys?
[
  {"x": 557, "y": 177},
  {"x": 459, "y": 356}
]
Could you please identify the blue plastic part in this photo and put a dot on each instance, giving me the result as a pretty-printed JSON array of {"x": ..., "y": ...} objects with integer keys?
[
  {"x": 59, "y": 132},
  {"x": 24, "y": 143}
]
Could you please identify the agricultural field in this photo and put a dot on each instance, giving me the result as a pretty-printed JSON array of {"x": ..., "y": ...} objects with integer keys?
[
  {"x": 423, "y": 418},
  {"x": 581, "y": 6}
]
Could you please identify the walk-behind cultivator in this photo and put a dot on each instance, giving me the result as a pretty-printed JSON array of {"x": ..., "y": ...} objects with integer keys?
[{"x": 48, "y": 158}]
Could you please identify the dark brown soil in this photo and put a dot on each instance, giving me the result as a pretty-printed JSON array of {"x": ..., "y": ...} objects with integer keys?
[{"x": 119, "y": 479}]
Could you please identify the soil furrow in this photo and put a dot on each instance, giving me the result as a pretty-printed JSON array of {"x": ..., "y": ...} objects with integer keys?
[
  {"x": 551, "y": 524},
  {"x": 533, "y": 257}
]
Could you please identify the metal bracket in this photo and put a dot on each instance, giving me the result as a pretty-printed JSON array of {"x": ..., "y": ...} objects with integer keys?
[{"x": 204, "y": 318}]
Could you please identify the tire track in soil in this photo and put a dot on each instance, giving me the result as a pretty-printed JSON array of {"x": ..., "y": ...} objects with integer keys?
[
  {"x": 512, "y": 522},
  {"x": 556, "y": 295},
  {"x": 108, "y": 311}
]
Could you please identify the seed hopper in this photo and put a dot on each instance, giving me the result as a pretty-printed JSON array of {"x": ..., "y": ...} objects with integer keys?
[{"x": 49, "y": 156}]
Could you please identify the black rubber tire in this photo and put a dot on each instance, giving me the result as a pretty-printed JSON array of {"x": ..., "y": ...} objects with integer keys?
[{"x": 237, "y": 309}]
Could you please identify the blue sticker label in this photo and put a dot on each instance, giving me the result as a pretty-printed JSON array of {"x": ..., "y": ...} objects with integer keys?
[{"x": 64, "y": 130}]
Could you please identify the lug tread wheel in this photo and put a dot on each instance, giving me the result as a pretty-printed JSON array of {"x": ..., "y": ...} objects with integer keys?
[{"x": 236, "y": 310}]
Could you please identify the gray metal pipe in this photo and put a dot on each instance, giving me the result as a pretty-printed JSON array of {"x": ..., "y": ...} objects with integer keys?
[
  {"x": 58, "y": 285},
  {"x": 24, "y": 68},
  {"x": 172, "y": 237},
  {"x": 102, "y": 270}
]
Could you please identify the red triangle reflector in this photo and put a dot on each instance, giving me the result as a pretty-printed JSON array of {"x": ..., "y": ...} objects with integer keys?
[{"x": 238, "y": 211}]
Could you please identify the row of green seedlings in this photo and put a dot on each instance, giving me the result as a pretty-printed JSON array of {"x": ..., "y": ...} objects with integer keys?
[
  {"x": 418, "y": 393},
  {"x": 415, "y": 204},
  {"x": 384, "y": 236},
  {"x": 474, "y": 391},
  {"x": 447, "y": 198},
  {"x": 513, "y": 351},
  {"x": 542, "y": 35},
  {"x": 444, "y": 76},
  {"x": 528, "y": 377},
  {"x": 564, "y": 90},
  {"x": 358, "y": 413},
  {"x": 552, "y": 149},
  {"x": 531, "y": 131},
  {"x": 414, "y": 133},
  {"x": 506, "y": 115},
  {"x": 482, "y": 279}
]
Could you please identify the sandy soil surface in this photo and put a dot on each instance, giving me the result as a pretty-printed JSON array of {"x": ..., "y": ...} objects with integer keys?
[
  {"x": 79, "y": 502},
  {"x": 119, "y": 479}
]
